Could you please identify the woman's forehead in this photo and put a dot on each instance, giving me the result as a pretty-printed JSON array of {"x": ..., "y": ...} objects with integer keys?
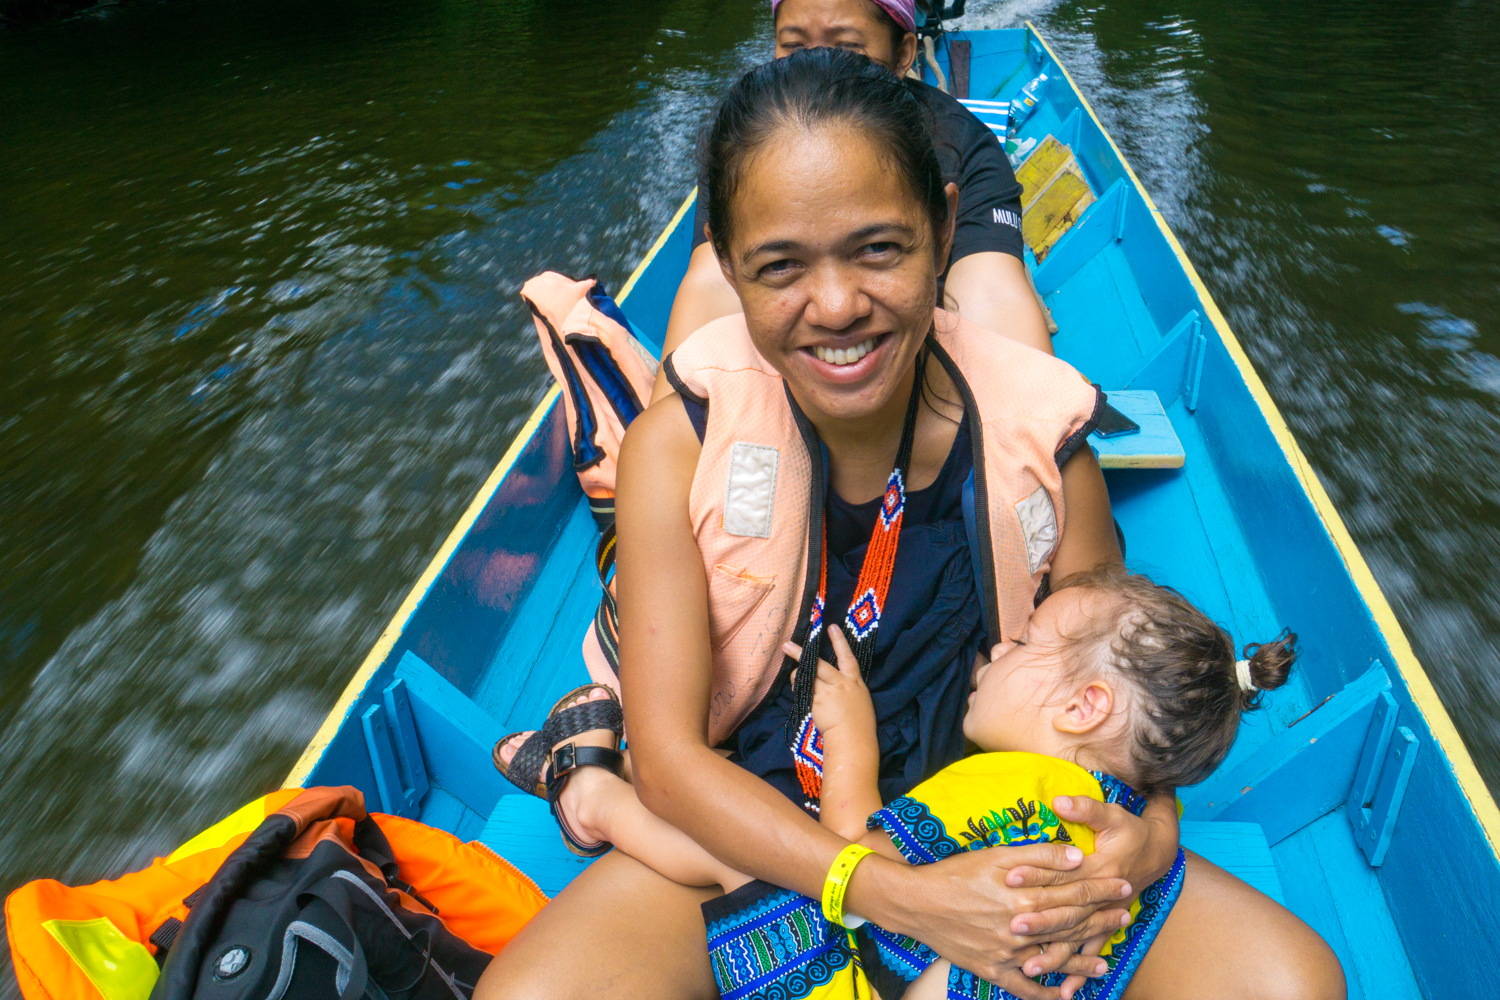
[
  {"x": 825, "y": 180},
  {"x": 825, "y": 15}
]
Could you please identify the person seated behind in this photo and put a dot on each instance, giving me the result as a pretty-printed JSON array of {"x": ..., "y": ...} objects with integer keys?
[
  {"x": 1119, "y": 688},
  {"x": 986, "y": 280}
]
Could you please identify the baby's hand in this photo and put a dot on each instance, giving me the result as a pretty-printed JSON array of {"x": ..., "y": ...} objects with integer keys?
[{"x": 841, "y": 702}]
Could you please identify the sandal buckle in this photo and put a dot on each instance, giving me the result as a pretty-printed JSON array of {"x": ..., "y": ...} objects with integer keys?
[{"x": 564, "y": 760}]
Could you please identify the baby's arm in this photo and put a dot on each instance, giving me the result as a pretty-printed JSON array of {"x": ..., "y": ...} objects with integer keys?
[{"x": 845, "y": 716}]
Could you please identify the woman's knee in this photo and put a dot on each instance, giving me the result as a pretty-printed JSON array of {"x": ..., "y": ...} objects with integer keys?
[
  {"x": 591, "y": 941},
  {"x": 1223, "y": 938}
]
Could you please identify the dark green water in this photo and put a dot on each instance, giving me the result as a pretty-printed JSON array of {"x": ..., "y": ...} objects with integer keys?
[{"x": 259, "y": 342}]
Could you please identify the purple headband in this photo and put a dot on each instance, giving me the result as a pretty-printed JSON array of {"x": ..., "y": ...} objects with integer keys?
[{"x": 903, "y": 12}]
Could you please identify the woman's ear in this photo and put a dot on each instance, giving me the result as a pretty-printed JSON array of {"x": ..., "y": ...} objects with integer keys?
[
  {"x": 945, "y": 242},
  {"x": 1088, "y": 709},
  {"x": 906, "y": 54}
]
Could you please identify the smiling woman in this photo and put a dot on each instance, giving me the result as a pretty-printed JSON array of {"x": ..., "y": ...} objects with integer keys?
[{"x": 816, "y": 454}]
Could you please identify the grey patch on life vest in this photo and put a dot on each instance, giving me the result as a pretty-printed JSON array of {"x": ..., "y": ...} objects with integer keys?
[
  {"x": 1038, "y": 527},
  {"x": 232, "y": 962},
  {"x": 750, "y": 494},
  {"x": 646, "y": 356}
]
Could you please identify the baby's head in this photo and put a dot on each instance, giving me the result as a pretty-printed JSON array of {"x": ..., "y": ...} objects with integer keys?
[{"x": 1123, "y": 676}]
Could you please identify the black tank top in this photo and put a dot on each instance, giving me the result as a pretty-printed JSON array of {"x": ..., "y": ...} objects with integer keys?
[{"x": 931, "y": 628}]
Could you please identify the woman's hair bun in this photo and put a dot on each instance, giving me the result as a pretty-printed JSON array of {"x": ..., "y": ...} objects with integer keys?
[{"x": 1271, "y": 662}]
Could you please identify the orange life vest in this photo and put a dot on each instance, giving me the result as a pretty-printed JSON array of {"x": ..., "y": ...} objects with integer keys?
[
  {"x": 753, "y": 492},
  {"x": 93, "y": 941},
  {"x": 605, "y": 373}
]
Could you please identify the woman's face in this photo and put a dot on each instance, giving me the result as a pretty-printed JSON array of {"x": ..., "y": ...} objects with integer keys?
[
  {"x": 836, "y": 265},
  {"x": 856, "y": 25}
]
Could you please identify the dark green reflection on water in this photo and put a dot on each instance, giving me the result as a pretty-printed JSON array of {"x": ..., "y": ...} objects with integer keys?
[{"x": 259, "y": 342}]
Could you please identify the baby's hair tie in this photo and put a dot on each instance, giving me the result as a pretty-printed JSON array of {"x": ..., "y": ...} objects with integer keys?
[{"x": 1242, "y": 671}]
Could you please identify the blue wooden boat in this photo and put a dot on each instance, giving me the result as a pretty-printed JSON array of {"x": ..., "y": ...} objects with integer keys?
[{"x": 1350, "y": 798}]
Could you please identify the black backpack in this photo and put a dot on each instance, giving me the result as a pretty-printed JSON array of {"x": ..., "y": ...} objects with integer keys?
[{"x": 269, "y": 927}]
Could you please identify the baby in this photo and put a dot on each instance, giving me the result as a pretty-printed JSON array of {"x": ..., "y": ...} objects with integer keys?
[{"x": 1118, "y": 689}]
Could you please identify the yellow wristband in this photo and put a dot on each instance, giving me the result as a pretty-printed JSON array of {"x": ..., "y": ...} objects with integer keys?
[{"x": 837, "y": 884}]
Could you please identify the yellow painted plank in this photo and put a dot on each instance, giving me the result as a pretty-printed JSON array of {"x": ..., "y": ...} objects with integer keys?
[
  {"x": 1417, "y": 682},
  {"x": 1056, "y": 209},
  {"x": 1163, "y": 461},
  {"x": 1040, "y": 167}
]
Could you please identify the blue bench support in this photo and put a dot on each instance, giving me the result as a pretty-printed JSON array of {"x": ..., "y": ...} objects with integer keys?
[
  {"x": 1301, "y": 773},
  {"x": 1156, "y": 446},
  {"x": 455, "y": 736},
  {"x": 391, "y": 737}
]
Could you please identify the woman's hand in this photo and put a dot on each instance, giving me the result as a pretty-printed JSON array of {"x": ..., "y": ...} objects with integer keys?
[
  {"x": 841, "y": 701},
  {"x": 1138, "y": 849},
  {"x": 972, "y": 910}
]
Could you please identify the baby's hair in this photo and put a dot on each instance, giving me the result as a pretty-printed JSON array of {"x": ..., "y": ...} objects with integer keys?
[{"x": 1181, "y": 669}]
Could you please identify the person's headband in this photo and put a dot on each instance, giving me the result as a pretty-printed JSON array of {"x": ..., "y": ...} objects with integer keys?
[{"x": 903, "y": 12}]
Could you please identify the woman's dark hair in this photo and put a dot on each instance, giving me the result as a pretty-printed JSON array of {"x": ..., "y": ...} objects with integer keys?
[
  {"x": 810, "y": 88},
  {"x": 1182, "y": 668}
]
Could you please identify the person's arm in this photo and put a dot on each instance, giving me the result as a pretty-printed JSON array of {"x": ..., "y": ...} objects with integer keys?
[
  {"x": 987, "y": 282},
  {"x": 702, "y": 297},
  {"x": 1089, "y": 529},
  {"x": 963, "y": 907},
  {"x": 845, "y": 716},
  {"x": 991, "y": 289}
]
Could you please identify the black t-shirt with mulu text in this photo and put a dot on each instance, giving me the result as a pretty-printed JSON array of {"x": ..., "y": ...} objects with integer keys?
[{"x": 989, "y": 197}]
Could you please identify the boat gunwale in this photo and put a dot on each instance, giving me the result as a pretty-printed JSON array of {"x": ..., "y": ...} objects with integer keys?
[{"x": 1424, "y": 695}]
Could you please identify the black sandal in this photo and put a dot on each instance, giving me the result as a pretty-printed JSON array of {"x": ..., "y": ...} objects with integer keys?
[{"x": 525, "y": 767}]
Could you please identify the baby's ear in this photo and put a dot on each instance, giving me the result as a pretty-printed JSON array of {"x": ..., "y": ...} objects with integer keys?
[{"x": 1087, "y": 709}]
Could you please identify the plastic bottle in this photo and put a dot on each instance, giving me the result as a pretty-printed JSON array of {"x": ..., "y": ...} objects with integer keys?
[{"x": 1021, "y": 108}]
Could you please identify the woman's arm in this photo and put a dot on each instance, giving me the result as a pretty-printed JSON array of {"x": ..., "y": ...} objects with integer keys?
[
  {"x": 963, "y": 907},
  {"x": 702, "y": 297},
  {"x": 1089, "y": 528},
  {"x": 666, "y": 672},
  {"x": 1138, "y": 849}
]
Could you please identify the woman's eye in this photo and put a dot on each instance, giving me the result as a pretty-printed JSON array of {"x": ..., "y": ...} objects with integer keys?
[
  {"x": 880, "y": 249},
  {"x": 778, "y": 268}
]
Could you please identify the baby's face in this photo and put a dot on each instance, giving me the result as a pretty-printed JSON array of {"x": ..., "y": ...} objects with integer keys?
[{"x": 1017, "y": 695}]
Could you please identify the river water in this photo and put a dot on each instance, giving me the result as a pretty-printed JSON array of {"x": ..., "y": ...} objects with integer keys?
[{"x": 260, "y": 343}]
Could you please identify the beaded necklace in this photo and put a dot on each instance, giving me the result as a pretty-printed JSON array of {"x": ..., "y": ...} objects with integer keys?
[{"x": 863, "y": 617}]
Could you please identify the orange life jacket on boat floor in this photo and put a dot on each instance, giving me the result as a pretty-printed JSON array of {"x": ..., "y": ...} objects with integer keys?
[{"x": 104, "y": 941}]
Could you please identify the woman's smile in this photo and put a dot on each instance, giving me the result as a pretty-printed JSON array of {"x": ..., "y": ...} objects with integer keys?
[{"x": 846, "y": 364}]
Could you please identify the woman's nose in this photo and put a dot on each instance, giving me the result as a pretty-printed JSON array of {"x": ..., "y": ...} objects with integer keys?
[{"x": 835, "y": 301}]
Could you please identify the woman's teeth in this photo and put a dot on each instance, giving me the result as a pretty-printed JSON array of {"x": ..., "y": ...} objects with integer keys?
[{"x": 845, "y": 355}]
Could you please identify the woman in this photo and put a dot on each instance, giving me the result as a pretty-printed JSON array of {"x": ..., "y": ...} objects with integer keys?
[
  {"x": 831, "y": 221},
  {"x": 986, "y": 281}
]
